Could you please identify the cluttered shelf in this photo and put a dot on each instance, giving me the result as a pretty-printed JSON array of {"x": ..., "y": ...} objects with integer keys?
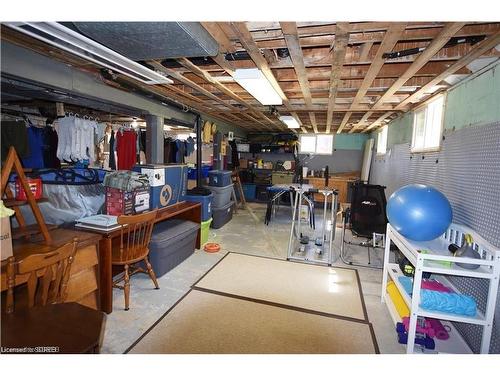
[{"x": 430, "y": 296}]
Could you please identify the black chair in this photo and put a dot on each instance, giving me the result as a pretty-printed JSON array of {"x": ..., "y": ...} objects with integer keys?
[{"x": 366, "y": 218}]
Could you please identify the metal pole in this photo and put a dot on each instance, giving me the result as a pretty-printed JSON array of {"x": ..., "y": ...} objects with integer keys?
[{"x": 199, "y": 145}]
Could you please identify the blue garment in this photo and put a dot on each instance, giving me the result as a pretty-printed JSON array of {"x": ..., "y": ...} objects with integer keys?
[
  {"x": 36, "y": 147},
  {"x": 181, "y": 151},
  {"x": 453, "y": 303}
]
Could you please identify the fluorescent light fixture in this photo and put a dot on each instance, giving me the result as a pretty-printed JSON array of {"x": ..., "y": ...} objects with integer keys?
[
  {"x": 290, "y": 121},
  {"x": 258, "y": 86},
  {"x": 62, "y": 37}
]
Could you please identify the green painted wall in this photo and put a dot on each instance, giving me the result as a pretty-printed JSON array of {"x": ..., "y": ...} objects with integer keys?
[
  {"x": 349, "y": 141},
  {"x": 473, "y": 103}
]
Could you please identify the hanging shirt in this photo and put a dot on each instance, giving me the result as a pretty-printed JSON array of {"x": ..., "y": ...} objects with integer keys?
[
  {"x": 35, "y": 157},
  {"x": 126, "y": 149},
  {"x": 112, "y": 160},
  {"x": 50, "y": 142},
  {"x": 190, "y": 146},
  {"x": 14, "y": 133},
  {"x": 181, "y": 150}
]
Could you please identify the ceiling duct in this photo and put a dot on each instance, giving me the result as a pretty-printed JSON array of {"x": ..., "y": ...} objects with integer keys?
[
  {"x": 152, "y": 40},
  {"x": 73, "y": 42}
]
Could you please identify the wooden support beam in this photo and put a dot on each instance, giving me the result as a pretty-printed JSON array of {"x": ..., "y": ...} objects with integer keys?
[
  {"x": 477, "y": 52},
  {"x": 176, "y": 75},
  {"x": 365, "y": 49},
  {"x": 361, "y": 122},
  {"x": 292, "y": 40},
  {"x": 448, "y": 31},
  {"x": 344, "y": 122},
  {"x": 392, "y": 36},
  {"x": 338, "y": 57},
  {"x": 247, "y": 41},
  {"x": 213, "y": 28},
  {"x": 377, "y": 122},
  {"x": 208, "y": 78}
]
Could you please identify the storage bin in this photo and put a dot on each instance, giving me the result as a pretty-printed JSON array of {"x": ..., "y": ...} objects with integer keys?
[
  {"x": 248, "y": 191},
  {"x": 219, "y": 178},
  {"x": 205, "y": 231},
  {"x": 221, "y": 216},
  {"x": 206, "y": 204},
  {"x": 222, "y": 195},
  {"x": 172, "y": 241},
  {"x": 204, "y": 172}
]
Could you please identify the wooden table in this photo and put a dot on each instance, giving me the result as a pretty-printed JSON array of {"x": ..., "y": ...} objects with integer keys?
[
  {"x": 60, "y": 328},
  {"x": 183, "y": 210},
  {"x": 83, "y": 284}
]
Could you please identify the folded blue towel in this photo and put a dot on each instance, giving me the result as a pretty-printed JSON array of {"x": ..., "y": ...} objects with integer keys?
[{"x": 453, "y": 303}]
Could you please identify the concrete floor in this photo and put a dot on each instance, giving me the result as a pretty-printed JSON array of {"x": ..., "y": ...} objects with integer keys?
[{"x": 247, "y": 234}]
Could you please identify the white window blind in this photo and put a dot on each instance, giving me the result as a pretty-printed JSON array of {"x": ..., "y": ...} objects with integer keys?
[{"x": 428, "y": 126}]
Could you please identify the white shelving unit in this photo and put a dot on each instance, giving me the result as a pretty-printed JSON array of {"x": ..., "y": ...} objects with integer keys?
[{"x": 433, "y": 256}]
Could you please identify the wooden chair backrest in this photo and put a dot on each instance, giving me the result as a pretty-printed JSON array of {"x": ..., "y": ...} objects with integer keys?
[
  {"x": 48, "y": 276},
  {"x": 135, "y": 234}
]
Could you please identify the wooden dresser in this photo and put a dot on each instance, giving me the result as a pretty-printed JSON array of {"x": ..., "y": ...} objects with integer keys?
[
  {"x": 83, "y": 284},
  {"x": 339, "y": 181}
]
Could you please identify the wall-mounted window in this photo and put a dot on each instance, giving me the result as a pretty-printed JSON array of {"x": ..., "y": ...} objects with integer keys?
[
  {"x": 428, "y": 126},
  {"x": 316, "y": 144},
  {"x": 382, "y": 141}
]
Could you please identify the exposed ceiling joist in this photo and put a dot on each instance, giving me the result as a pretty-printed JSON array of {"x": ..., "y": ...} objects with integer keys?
[
  {"x": 246, "y": 40},
  {"x": 361, "y": 122},
  {"x": 477, "y": 52},
  {"x": 444, "y": 36},
  {"x": 344, "y": 122},
  {"x": 189, "y": 83},
  {"x": 207, "y": 77},
  {"x": 213, "y": 28},
  {"x": 295, "y": 50},
  {"x": 338, "y": 57},
  {"x": 377, "y": 122}
]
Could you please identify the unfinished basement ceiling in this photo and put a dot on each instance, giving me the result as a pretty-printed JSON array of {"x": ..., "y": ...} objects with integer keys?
[{"x": 332, "y": 77}]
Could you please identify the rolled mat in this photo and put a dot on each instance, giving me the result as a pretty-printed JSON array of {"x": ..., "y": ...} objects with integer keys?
[{"x": 440, "y": 331}]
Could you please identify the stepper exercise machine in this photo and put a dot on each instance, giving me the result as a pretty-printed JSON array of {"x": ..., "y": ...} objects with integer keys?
[{"x": 304, "y": 243}]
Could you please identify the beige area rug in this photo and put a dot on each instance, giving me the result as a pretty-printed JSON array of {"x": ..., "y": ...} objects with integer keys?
[
  {"x": 329, "y": 290},
  {"x": 206, "y": 323}
]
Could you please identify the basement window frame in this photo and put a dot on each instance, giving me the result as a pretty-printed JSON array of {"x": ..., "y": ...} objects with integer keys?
[
  {"x": 382, "y": 136},
  {"x": 316, "y": 136},
  {"x": 424, "y": 108}
]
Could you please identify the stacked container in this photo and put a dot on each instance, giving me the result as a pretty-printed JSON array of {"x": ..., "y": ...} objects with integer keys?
[{"x": 221, "y": 186}]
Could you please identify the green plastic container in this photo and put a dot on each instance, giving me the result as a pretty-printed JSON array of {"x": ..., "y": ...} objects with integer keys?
[{"x": 205, "y": 230}]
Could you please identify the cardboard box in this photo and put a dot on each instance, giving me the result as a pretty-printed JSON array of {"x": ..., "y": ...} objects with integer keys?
[
  {"x": 5, "y": 238},
  {"x": 243, "y": 163}
]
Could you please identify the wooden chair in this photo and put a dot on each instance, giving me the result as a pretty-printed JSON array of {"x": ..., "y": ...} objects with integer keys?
[
  {"x": 49, "y": 321},
  {"x": 48, "y": 276},
  {"x": 133, "y": 248}
]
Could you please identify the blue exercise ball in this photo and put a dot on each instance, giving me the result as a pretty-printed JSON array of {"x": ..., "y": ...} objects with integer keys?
[{"x": 419, "y": 212}]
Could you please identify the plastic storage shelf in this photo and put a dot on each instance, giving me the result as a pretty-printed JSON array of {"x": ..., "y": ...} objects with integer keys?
[{"x": 437, "y": 260}]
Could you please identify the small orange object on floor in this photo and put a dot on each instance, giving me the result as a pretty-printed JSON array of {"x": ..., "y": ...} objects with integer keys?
[{"x": 212, "y": 247}]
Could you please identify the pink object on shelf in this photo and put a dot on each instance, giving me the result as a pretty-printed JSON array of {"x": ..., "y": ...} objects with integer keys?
[
  {"x": 435, "y": 285},
  {"x": 429, "y": 326}
]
